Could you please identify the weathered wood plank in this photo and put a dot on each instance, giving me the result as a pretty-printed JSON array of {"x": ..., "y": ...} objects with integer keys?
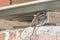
[{"x": 30, "y": 8}]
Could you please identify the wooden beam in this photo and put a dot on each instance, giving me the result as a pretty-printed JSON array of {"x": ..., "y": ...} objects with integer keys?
[{"x": 29, "y": 8}]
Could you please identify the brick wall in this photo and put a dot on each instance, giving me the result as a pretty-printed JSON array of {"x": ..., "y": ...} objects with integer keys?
[
  {"x": 20, "y": 1},
  {"x": 17, "y": 34},
  {"x": 4, "y": 2},
  {"x": 7, "y": 2},
  {"x": 2, "y": 36}
]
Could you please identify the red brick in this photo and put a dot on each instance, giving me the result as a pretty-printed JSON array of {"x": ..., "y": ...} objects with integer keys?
[
  {"x": 20, "y": 1},
  {"x": 11, "y": 36},
  {"x": 2, "y": 36},
  {"x": 4, "y": 3},
  {"x": 19, "y": 34}
]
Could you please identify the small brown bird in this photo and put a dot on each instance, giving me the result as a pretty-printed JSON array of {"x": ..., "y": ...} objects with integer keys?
[{"x": 39, "y": 17}]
